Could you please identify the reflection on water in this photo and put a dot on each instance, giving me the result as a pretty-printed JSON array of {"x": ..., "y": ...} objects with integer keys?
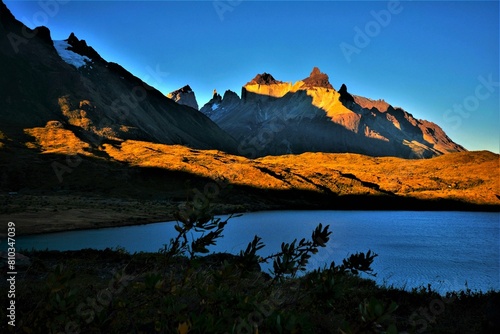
[{"x": 449, "y": 250}]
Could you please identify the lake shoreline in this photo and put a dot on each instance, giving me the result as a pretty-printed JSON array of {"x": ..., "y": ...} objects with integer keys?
[
  {"x": 415, "y": 247},
  {"x": 45, "y": 214}
]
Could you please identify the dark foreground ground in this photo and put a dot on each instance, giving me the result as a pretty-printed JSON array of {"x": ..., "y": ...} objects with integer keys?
[{"x": 111, "y": 291}]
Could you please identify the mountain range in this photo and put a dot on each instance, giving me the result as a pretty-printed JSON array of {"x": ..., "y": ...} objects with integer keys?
[
  {"x": 71, "y": 87},
  {"x": 274, "y": 118}
]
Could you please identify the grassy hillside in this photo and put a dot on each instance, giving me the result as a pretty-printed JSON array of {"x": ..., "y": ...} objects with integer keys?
[{"x": 467, "y": 176}]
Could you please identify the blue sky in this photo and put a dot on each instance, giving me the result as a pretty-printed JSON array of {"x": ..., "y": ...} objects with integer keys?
[{"x": 439, "y": 60}]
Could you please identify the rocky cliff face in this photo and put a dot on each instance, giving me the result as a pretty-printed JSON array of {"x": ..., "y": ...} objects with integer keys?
[
  {"x": 266, "y": 86},
  {"x": 274, "y": 117},
  {"x": 214, "y": 108},
  {"x": 184, "y": 96},
  {"x": 69, "y": 83}
]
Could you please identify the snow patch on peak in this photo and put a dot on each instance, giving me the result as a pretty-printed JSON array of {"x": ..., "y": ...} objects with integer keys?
[
  {"x": 215, "y": 106},
  {"x": 68, "y": 56}
]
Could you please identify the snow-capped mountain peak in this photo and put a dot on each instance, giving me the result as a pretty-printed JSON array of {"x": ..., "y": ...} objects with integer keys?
[{"x": 69, "y": 56}]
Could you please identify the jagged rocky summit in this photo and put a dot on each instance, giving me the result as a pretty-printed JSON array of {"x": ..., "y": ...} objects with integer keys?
[{"x": 184, "y": 96}]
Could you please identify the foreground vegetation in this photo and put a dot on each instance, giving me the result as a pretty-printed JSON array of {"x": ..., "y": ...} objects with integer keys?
[{"x": 177, "y": 290}]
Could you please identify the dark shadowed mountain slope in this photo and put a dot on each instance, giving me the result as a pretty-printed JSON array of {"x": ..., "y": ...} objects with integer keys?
[
  {"x": 67, "y": 85},
  {"x": 274, "y": 117}
]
